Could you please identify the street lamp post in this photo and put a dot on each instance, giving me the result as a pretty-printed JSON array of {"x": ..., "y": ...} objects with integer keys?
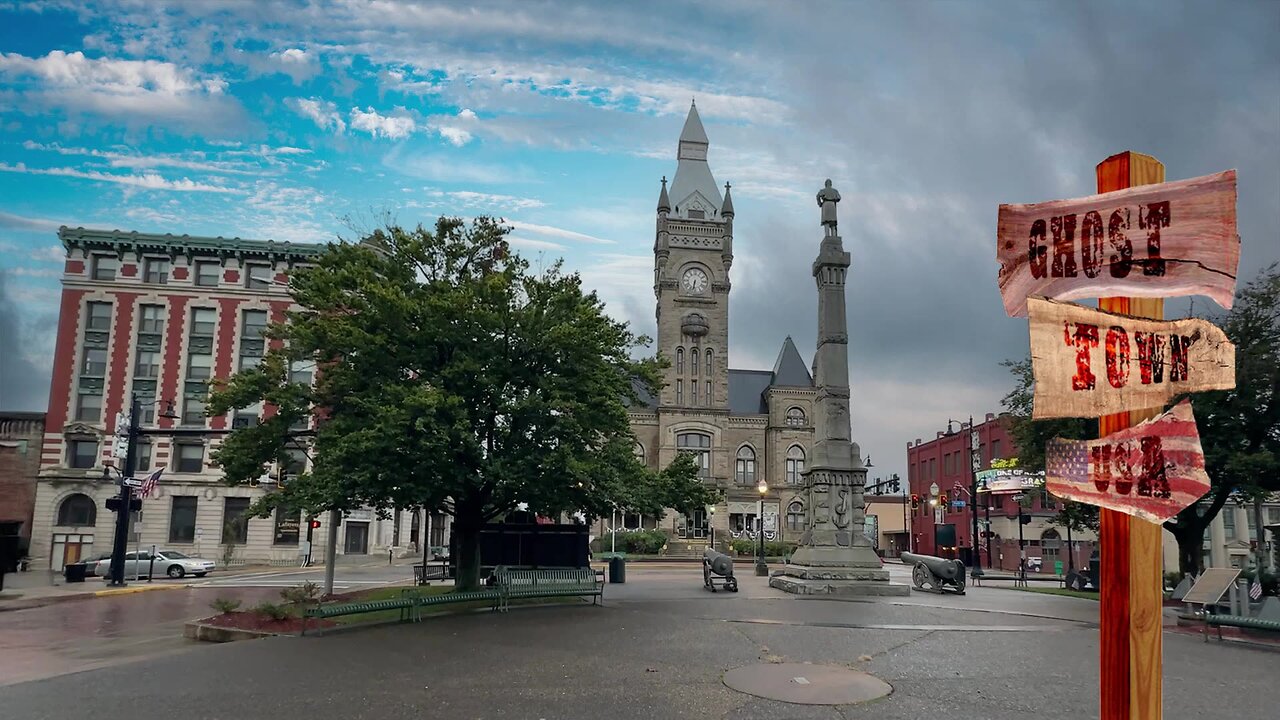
[
  {"x": 933, "y": 503},
  {"x": 761, "y": 568}
]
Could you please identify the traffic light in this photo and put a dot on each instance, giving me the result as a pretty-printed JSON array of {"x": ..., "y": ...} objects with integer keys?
[
  {"x": 915, "y": 501},
  {"x": 1026, "y": 519},
  {"x": 113, "y": 504},
  {"x": 315, "y": 524},
  {"x": 942, "y": 499}
]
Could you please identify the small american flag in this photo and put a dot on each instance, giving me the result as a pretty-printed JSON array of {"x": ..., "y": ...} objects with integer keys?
[
  {"x": 1152, "y": 470},
  {"x": 1255, "y": 591},
  {"x": 149, "y": 485}
]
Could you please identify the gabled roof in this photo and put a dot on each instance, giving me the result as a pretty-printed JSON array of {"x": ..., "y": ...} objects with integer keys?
[
  {"x": 646, "y": 400},
  {"x": 790, "y": 369},
  {"x": 746, "y": 391},
  {"x": 693, "y": 176}
]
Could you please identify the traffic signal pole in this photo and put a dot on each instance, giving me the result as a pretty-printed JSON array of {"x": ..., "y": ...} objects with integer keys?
[{"x": 120, "y": 544}]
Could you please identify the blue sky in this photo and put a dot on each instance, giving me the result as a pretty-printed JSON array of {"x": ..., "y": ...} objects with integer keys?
[{"x": 296, "y": 120}]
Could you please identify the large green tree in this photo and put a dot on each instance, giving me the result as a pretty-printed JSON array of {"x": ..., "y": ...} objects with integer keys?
[
  {"x": 449, "y": 376},
  {"x": 1239, "y": 428}
]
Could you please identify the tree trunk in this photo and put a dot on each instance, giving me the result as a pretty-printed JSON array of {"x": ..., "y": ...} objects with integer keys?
[
  {"x": 467, "y": 533},
  {"x": 1190, "y": 549}
]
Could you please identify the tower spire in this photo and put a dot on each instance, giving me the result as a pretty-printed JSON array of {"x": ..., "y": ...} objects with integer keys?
[{"x": 664, "y": 202}]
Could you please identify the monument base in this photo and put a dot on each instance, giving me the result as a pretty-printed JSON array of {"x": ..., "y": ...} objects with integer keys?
[{"x": 841, "y": 571}]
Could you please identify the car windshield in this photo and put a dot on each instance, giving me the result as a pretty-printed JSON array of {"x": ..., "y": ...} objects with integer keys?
[{"x": 173, "y": 555}]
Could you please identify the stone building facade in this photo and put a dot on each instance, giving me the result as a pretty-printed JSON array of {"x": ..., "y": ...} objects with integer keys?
[
  {"x": 21, "y": 434},
  {"x": 745, "y": 426},
  {"x": 159, "y": 317}
]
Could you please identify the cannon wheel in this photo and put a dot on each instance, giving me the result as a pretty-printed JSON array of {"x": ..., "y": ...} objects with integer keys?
[
  {"x": 959, "y": 583},
  {"x": 921, "y": 575},
  {"x": 732, "y": 585},
  {"x": 706, "y": 577}
]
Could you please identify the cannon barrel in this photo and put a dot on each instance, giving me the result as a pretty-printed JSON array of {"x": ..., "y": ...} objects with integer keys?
[
  {"x": 718, "y": 562},
  {"x": 941, "y": 567}
]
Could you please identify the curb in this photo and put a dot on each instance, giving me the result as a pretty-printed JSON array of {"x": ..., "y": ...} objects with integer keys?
[
  {"x": 35, "y": 602},
  {"x": 140, "y": 589},
  {"x": 196, "y": 630}
]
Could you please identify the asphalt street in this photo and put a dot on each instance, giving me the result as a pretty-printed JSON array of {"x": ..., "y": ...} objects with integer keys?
[{"x": 658, "y": 648}]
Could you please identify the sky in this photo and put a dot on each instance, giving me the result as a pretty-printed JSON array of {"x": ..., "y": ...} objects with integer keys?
[{"x": 300, "y": 121}]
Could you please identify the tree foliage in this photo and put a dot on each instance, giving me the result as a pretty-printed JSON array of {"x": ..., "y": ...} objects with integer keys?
[
  {"x": 448, "y": 376},
  {"x": 1239, "y": 428}
]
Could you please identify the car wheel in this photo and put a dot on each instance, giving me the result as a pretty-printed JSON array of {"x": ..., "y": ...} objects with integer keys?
[{"x": 176, "y": 571}]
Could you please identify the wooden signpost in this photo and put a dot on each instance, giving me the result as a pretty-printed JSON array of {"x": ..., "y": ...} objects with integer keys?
[
  {"x": 1152, "y": 470},
  {"x": 1156, "y": 241},
  {"x": 1089, "y": 363},
  {"x": 1150, "y": 240}
]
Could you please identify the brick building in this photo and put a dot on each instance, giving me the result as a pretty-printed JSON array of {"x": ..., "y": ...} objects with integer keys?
[
  {"x": 945, "y": 461},
  {"x": 160, "y": 317},
  {"x": 21, "y": 434}
]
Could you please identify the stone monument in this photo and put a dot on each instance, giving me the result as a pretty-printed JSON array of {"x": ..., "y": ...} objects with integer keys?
[{"x": 835, "y": 556}]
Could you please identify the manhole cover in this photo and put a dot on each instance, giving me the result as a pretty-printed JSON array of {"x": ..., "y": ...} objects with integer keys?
[{"x": 807, "y": 684}]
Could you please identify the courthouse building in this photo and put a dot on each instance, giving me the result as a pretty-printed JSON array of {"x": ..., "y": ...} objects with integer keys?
[
  {"x": 744, "y": 426},
  {"x": 159, "y": 317}
]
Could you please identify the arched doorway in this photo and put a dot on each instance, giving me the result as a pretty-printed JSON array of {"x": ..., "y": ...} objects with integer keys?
[
  {"x": 73, "y": 537},
  {"x": 1050, "y": 550}
]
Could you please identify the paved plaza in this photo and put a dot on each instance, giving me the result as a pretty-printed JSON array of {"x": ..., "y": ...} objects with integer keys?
[{"x": 659, "y": 648}]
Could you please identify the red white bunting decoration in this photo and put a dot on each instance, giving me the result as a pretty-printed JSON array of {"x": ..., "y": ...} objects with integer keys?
[
  {"x": 1152, "y": 470},
  {"x": 1162, "y": 240},
  {"x": 1089, "y": 363}
]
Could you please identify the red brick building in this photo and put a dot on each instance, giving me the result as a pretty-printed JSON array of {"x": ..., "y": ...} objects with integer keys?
[
  {"x": 21, "y": 434},
  {"x": 945, "y": 462}
]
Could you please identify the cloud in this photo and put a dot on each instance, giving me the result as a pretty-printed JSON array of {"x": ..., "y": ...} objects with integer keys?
[
  {"x": 144, "y": 181},
  {"x": 32, "y": 272},
  {"x": 296, "y": 56},
  {"x": 445, "y": 169},
  {"x": 457, "y": 136},
  {"x": 19, "y": 222},
  {"x": 24, "y": 381},
  {"x": 138, "y": 160},
  {"x": 533, "y": 244},
  {"x": 134, "y": 91},
  {"x": 393, "y": 127},
  {"x": 551, "y": 231},
  {"x": 470, "y": 199},
  {"x": 321, "y": 112}
]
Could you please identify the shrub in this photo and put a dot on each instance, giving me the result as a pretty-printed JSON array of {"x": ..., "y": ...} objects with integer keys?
[
  {"x": 225, "y": 605},
  {"x": 275, "y": 611},
  {"x": 636, "y": 542},
  {"x": 746, "y": 547},
  {"x": 743, "y": 546},
  {"x": 306, "y": 593}
]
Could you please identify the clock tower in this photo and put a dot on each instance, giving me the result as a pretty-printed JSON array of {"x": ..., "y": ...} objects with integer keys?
[{"x": 693, "y": 251}]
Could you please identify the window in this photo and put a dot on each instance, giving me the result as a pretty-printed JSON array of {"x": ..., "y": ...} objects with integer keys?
[
  {"x": 98, "y": 316},
  {"x": 257, "y": 277},
  {"x": 82, "y": 453},
  {"x": 708, "y": 354},
  {"x": 207, "y": 273},
  {"x": 745, "y": 472},
  {"x": 1273, "y": 515},
  {"x": 297, "y": 462},
  {"x": 795, "y": 517},
  {"x": 105, "y": 267},
  {"x": 245, "y": 417},
  {"x": 933, "y": 468},
  {"x": 287, "y": 524},
  {"x": 156, "y": 271},
  {"x": 146, "y": 364},
  {"x": 693, "y": 385},
  {"x": 707, "y": 398},
  {"x": 1229, "y": 523},
  {"x": 144, "y": 456},
  {"x": 203, "y": 321},
  {"x": 739, "y": 522},
  {"x": 679, "y": 392},
  {"x": 152, "y": 319},
  {"x": 235, "y": 521},
  {"x": 638, "y": 451},
  {"x": 89, "y": 406},
  {"x": 190, "y": 458},
  {"x": 795, "y": 464},
  {"x": 696, "y": 214},
  {"x": 948, "y": 464},
  {"x": 77, "y": 510},
  {"x": 1251, "y": 521},
  {"x": 182, "y": 519},
  {"x": 995, "y": 449},
  {"x": 199, "y": 367},
  {"x": 694, "y": 366},
  {"x": 94, "y": 362},
  {"x": 255, "y": 324},
  {"x": 795, "y": 417},
  {"x": 680, "y": 361},
  {"x": 699, "y": 445}
]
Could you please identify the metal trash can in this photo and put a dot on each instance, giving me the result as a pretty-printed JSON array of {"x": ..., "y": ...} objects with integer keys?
[
  {"x": 617, "y": 570},
  {"x": 74, "y": 572}
]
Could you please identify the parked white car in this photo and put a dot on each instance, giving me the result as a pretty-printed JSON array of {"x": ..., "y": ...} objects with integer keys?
[{"x": 169, "y": 562}]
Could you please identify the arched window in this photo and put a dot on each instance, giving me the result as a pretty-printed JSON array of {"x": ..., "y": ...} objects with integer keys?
[
  {"x": 795, "y": 517},
  {"x": 1050, "y": 548},
  {"x": 679, "y": 361},
  {"x": 795, "y": 464},
  {"x": 78, "y": 510},
  {"x": 638, "y": 451},
  {"x": 745, "y": 474},
  {"x": 694, "y": 364},
  {"x": 698, "y": 445},
  {"x": 708, "y": 361},
  {"x": 795, "y": 417}
]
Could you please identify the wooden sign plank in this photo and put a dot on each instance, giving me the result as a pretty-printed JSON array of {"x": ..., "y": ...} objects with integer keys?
[
  {"x": 1089, "y": 363},
  {"x": 1152, "y": 470},
  {"x": 1161, "y": 240}
]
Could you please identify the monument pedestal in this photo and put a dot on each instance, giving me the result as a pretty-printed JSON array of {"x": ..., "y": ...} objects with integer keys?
[{"x": 840, "y": 571}]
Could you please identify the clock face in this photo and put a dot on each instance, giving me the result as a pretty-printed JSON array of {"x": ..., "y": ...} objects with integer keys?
[{"x": 695, "y": 281}]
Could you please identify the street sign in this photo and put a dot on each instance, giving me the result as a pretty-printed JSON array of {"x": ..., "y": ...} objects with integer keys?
[
  {"x": 132, "y": 482},
  {"x": 120, "y": 448},
  {"x": 1089, "y": 363},
  {"x": 123, "y": 421},
  {"x": 1152, "y": 470},
  {"x": 1160, "y": 240}
]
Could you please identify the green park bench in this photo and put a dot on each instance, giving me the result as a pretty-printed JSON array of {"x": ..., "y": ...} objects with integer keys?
[
  {"x": 410, "y": 604},
  {"x": 1220, "y": 621},
  {"x": 547, "y": 582}
]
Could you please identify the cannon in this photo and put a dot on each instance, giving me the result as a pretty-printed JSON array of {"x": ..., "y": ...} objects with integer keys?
[
  {"x": 718, "y": 568},
  {"x": 940, "y": 574}
]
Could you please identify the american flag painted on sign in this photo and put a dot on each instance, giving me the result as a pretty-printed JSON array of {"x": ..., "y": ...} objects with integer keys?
[
  {"x": 1152, "y": 470},
  {"x": 1255, "y": 591}
]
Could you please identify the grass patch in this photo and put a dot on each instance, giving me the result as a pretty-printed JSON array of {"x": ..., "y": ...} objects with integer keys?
[{"x": 1064, "y": 592}]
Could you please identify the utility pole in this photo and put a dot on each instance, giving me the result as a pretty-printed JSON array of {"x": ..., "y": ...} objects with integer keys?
[
  {"x": 975, "y": 462},
  {"x": 331, "y": 552},
  {"x": 123, "y": 503}
]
